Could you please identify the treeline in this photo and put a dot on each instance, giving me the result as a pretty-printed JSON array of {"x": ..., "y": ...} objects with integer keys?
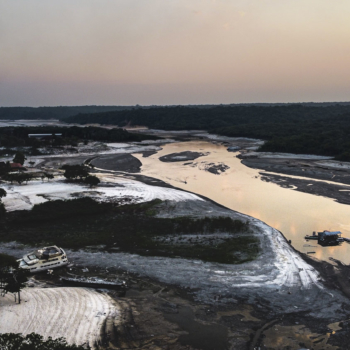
[
  {"x": 322, "y": 135},
  {"x": 18, "y": 136},
  {"x": 13, "y": 113},
  {"x": 296, "y": 128},
  {"x": 62, "y": 112},
  {"x": 183, "y": 117}
]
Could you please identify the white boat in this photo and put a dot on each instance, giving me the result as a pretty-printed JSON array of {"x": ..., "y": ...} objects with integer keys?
[{"x": 46, "y": 258}]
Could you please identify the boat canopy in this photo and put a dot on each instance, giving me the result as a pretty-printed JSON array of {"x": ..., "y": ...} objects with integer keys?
[
  {"x": 43, "y": 253},
  {"x": 331, "y": 233}
]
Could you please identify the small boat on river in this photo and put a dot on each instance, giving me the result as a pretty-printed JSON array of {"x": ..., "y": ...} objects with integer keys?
[{"x": 326, "y": 238}]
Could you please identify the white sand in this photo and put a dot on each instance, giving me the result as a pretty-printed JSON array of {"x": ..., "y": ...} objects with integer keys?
[
  {"x": 76, "y": 314},
  {"x": 24, "y": 197}
]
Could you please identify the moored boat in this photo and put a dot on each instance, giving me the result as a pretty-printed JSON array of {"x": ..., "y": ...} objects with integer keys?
[
  {"x": 43, "y": 259},
  {"x": 327, "y": 238}
]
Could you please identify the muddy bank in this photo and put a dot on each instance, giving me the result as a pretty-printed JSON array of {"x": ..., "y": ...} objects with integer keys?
[
  {"x": 147, "y": 154},
  {"x": 217, "y": 169},
  {"x": 339, "y": 193},
  {"x": 314, "y": 169},
  {"x": 159, "y": 315},
  {"x": 182, "y": 156},
  {"x": 214, "y": 168},
  {"x": 155, "y": 315},
  {"x": 117, "y": 162}
]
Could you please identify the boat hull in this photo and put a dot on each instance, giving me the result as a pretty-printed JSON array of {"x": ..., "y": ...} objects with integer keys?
[{"x": 33, "y": 262}]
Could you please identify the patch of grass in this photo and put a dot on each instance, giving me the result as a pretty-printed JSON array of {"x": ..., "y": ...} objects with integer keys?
[
  {"x": 62, "y": 209},
  {"x": 233, "y": 251},
  {"x": 133, "y": 228}
]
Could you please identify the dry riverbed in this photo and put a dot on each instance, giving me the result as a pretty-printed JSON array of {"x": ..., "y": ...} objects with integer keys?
[{"x": 280, "y": 300}]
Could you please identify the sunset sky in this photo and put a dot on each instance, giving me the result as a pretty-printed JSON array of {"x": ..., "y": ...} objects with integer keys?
[{"x": 127, "y": 52}]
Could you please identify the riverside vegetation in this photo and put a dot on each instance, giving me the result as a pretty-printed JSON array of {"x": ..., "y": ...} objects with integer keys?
[
  {"x": 321, "y": 129},
  {"x": 18, "y": 137},
  {"x": 130, "y": 228}
]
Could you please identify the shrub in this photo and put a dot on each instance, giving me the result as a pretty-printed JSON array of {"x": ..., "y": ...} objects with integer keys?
[{"x": 92, "y": 180}]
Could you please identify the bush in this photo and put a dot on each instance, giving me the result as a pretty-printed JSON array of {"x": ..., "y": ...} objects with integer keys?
[
  {"x": 18, "y": 177},
  {"x": 19, "y": 158},
  {"x": 92, "y": 180},
  {"x": 2, "y": 210},
  {"x": 73, "y": 172},
  {"x": 33, "y": 341},
  {"x": 64, "y": 209},
  {"x": 3, "y": 193}
]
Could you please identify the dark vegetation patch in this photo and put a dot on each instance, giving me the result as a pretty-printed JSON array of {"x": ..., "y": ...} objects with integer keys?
[
  {"x": 118, "y": 162},
  {"x": 297, "y": 128},
  {"x": 18, "y": 136},
  {"x": 217, "y": 169},
  {"x": 133, "y": 228}
]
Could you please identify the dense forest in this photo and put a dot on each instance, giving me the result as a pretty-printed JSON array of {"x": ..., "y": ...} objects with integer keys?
[
  {"x": 18, "y": 136},
  {"x": 297, "y": 128},
  {"x": 315, "y": 128},
  {"x": 62, "y": 112}
]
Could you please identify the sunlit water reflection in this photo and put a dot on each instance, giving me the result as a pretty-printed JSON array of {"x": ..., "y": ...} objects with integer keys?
[{"x": 240, "y": 188}]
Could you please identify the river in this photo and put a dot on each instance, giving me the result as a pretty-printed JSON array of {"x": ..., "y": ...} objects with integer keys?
[{"x": 240, "y": 188}]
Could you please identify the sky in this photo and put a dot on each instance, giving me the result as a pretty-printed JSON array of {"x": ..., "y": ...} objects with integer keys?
[{"x": 169, "y": 52}]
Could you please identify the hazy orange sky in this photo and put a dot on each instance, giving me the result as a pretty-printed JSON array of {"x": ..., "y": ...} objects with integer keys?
[{"x": 126, "y": 52}]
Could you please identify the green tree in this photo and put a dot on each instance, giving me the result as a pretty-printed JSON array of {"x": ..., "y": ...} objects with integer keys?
[
  {"x": 12, "y": 279},
  {"x": 3, "y": 193},
  {"x": 5, "y": 168},
  {"x": 17, "y": 282},
  {"x": 19, "y": 158},
  {"x": 2, "y": 209},
  {"x": 74, "y": 172},
  {"x": 7, "y": 262},
  {"x": 18, "y": 177},
  {"x": 92, "y": 180},
  {"x": 33, "y": 341},
  {"x": 48, "y": 176}
]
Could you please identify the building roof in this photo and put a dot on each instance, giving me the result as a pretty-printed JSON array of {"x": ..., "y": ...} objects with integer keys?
[{"x": 16, "y": 165}]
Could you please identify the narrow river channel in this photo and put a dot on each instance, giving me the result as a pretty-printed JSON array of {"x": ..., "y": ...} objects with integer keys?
[{"x": 240, "y": 188}]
